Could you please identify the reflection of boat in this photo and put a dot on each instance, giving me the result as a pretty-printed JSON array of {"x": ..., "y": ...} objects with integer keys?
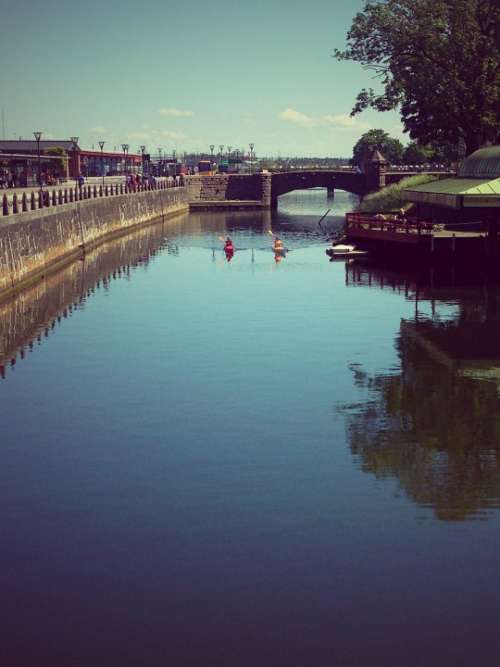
[{"x": 344, "y": 250}]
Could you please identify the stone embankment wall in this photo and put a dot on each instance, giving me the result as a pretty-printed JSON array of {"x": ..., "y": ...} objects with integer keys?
[
  {"x": 230, "y": 188},
  {"x": 33, "y": 242}
]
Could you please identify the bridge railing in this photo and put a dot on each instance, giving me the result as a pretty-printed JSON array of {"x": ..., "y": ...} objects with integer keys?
[
  {"x": 383, "y": 222},
  {"x": 37, "y": 199},
  {"x": 421, "y": 168},
  {"x": 291, "y": 170}
]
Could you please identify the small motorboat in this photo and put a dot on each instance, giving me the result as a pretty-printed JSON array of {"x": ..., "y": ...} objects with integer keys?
[{"x": 344, "y": 250}]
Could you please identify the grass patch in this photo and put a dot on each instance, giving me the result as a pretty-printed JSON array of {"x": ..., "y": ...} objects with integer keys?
[{"x": 390, "y": 199}]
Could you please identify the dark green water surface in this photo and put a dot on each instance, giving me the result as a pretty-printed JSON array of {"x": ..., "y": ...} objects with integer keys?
[{"x": 253, "y": 462}]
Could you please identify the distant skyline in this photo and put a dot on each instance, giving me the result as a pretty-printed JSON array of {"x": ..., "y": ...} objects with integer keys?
[{"x": 185, "y": 75}]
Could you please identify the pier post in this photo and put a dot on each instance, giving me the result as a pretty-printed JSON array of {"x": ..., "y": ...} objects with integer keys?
[
  {"x": 330, "y": 193},
  {"x": 265, "y": 189}
]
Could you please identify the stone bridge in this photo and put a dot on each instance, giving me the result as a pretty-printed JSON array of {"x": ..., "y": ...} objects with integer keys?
[
  {"x": 348, "y": 180},
  {"x": 262, "y": 190}
]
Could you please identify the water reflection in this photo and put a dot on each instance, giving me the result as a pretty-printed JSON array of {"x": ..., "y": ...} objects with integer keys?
[
  {"x": 435, "y": 423},
  {"x": 31, "y": 315}
]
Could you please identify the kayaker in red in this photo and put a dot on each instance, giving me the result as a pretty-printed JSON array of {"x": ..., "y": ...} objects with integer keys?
[{"x": 229, "y": 249}]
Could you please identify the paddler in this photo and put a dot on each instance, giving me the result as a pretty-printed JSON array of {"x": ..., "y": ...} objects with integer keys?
[
  {"x": 278, "y": 245},
  {"x": 228, "y": 245}
]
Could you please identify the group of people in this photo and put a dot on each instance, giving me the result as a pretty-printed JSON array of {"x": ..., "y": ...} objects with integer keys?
[
  {"x": 14, "y": 179},
  {"x": 140, "y": 179},
  {"x": 7, "y": 179}
]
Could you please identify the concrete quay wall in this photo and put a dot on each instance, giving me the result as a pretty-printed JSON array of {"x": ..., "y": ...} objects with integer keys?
[
  {"x": 34, "y": 242},
  {"x": 235, "y": 188}
]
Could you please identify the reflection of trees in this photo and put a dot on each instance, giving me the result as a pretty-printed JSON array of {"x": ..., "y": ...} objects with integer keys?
[{"x": 434, "y": 428}]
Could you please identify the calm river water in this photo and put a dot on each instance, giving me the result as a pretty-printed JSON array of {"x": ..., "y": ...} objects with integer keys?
[{"x": 252, "y": 462}]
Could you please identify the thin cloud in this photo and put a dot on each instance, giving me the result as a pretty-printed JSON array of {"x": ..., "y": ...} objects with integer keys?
[
  {"x": 176, "y": 113},
  {"x": 140, "y": 136},
  {"x": 155, "y": 135},
  {"x": 345, "y": 121},
  {"x": 293, "y": 116},
  {"x": 98, "y": 129},
  {"x": 169, "y": 134}
]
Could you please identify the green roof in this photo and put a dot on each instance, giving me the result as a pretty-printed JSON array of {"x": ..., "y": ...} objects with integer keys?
[
  {"x": 483, "y": 163},
  {"x": 457, "y": 192}
]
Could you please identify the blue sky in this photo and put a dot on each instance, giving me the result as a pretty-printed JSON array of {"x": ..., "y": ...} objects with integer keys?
[{"x": 184, "y": 74}]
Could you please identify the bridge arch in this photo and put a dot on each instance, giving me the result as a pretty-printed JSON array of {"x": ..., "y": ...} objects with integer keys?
[{"x": 331, "y": 179}]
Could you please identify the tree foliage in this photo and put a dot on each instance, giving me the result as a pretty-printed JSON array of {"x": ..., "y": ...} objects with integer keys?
[
  {"x": 61, "y": 166},
  {"x": 414, "y": 153},
  {"x": 438, "y": 61},
  {"x": 391, "y": 149},
  {"x": 390, "y": 199}
]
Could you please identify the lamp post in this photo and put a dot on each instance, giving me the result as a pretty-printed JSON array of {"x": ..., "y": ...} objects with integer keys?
[
  {"x": 159, "y": 160},
  {"x": 212, "y": 146},
  {"x": 125, "y": 149},
  {"x": 221, "y": 148},
  {"x": 38, "y": 136},
  {"x": 251, "y": 159},
  {"x": 74, "y": 141},
  {"x": 143, "y": 148},
  {"x": 101, "y": 146}
]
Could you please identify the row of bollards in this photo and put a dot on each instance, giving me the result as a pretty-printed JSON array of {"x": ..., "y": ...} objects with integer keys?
[{"x": 45, "y": 198}]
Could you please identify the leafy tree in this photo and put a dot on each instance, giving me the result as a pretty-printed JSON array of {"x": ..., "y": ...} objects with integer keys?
[
  {"x": 437, "y": 60},
  {"x": 390, "y": 199},
  {"x": 414, "y": 153},
  {"x": 391, "y": 149},
  {"x": 59, "y": 166}
]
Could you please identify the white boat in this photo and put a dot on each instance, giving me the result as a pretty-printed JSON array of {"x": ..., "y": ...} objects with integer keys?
[{"x": 344, "y": 250}]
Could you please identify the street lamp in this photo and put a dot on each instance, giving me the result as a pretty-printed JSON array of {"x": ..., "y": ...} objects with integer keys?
[
  {"x": 221, "y": 148},
  {"x": 251, "y": 160},
  {"x": 74, "y": 141},
  {"x": 101, "y": 146},
  {"x": 125, "y": 149},
  {"x": 212, "y": 146},
  {"x": 143, "y": 148},
  {"x": 38, "y": 136},
  {"x": 159, "y": 160}
]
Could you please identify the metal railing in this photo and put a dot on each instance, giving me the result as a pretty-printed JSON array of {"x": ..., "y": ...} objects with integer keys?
[
  {"x": 38, "y": 199},
  {"x": 383, "y": 222}
]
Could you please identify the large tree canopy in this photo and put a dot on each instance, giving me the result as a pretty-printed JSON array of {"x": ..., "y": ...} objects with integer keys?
[
  {"x": 438, "y": 61},
  {"x": 391, "y": 149}
]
